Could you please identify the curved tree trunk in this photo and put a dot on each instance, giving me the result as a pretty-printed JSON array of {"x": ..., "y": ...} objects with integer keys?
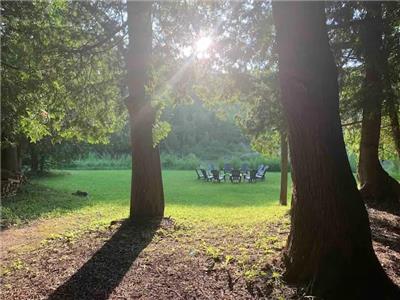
[
  {"x": 329, "y": 249},
  {"x": 376, "y": 185},
  {"x": 284, "y": 168},
  {"x": 147, "y": 196}
]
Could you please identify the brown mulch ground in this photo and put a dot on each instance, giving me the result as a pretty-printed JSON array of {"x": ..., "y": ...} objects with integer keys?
[
  {"x": 170, "y": 261},
  {"x": 385, "y": 228}
]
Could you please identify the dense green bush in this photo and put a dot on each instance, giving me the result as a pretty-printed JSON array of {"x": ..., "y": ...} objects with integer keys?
[
  {"x": 391, "y": 166},
  {"x": 95, "y": 161},
  {"x": 188, "y": 162},
  {"x": 253, "y": 160},
  {"x": 273, "y": 163}
]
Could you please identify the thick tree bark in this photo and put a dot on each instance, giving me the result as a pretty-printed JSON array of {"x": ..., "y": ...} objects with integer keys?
[
  {"x": 393, "y": 110},
  {"x": 329, "y": 249},
  {"x": 42, "y": 162},
  {"x": 147, "y": 196},
  {"x": 376, "y": 185},
  {"x": 284, "y": 168},
  {"x": 390, "y": 44},
  {"x": 10, "y": 162},
  {"x": 34, "y": 159}
]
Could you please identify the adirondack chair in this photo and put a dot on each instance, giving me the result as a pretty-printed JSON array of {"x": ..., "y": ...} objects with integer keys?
[
  {"x": 261, "y": 175},
  {"x": 199, "y": 174},
  {"x": 260, "y": 168},
  {"x": 217, "y": 176},
  {"x": 251, "y": 176},
  {"x": 244, "y": 168},
  {"x": 228, "y": 168},
  {"x": 236, "y": 176},
  {"x": 206, "y": 176}
]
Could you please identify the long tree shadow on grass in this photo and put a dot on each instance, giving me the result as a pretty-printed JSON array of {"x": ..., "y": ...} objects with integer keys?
[{"x": 98, "y": 277}]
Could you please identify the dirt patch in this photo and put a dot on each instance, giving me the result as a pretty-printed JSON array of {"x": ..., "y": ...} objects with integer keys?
[
  {"x": 26, "y": 238},
  {"x": 386, "y": 240},
  {"x": 171, "y": 261}
]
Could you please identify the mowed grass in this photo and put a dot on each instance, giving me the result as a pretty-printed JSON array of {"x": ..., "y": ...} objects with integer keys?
[{"x": 188, "y": 200}]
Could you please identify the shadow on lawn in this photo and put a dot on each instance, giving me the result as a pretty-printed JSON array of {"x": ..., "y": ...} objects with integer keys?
[
  {"x": 98, "y": 277},
  {"x": 34, "y": 201}
]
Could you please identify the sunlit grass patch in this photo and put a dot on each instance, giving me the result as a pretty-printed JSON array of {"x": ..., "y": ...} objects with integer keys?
[
  {"x": 206, "y": 211},
  {"x": 188, "y": 200},
  {"x": 235, "y": 230}
]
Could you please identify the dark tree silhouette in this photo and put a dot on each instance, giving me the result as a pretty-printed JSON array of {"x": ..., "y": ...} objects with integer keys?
[
  {"x": 329, "y": 249},
  {"x": 284, "y": 168},
  {"x": 99, "y": 276},
  {"x": 376, "y": 184},
  {"x": 147, "y": 196},
  {"x": 393, "y": 109}
]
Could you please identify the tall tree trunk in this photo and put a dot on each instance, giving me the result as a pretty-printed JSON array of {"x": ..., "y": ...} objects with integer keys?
[
  {"x": 147, "y": 196},
  {"x": 42, "y": 162},
  {"x": 376, "y": 185},
  {"x": 393, "y": 110},
  {"x": 284, "y": 168},
  {"x": 329, "y": 249},
  {"x": 9, "y": 161},
  {"x": 34, "y": 159},
  {"x": 391, "y": 44}
]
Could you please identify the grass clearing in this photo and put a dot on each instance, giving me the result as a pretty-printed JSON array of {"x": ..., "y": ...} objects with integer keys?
[
  {"x": 227, "y": 236},
  {"x": 228, "y": 229},
  {"x": 188, "y": 200}
]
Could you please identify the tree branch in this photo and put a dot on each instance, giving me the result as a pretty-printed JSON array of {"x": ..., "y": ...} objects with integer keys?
[{"x": 351, "y": 123}]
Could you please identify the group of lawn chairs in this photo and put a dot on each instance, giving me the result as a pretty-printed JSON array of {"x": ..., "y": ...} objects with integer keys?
[{"x": 234, "y": 175}]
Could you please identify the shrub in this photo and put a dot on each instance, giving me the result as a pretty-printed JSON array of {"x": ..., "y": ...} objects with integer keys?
[
  {"x": 168, "y": 161},
  {"x": 220, "y": 164},
  {"x": 188, "y": 162},
  {"x": 94, "y": 161},
  {"x": 236, "y": 163},
  {"x": 274, "y": 164}
]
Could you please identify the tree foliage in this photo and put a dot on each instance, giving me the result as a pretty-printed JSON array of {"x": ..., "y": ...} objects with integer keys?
[{"x": 61, "y": 78}]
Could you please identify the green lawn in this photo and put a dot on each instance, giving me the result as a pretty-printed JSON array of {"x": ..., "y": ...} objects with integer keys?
[
  {"x": 240, "y": 227},
  {"x": 188, "y": 200}
]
